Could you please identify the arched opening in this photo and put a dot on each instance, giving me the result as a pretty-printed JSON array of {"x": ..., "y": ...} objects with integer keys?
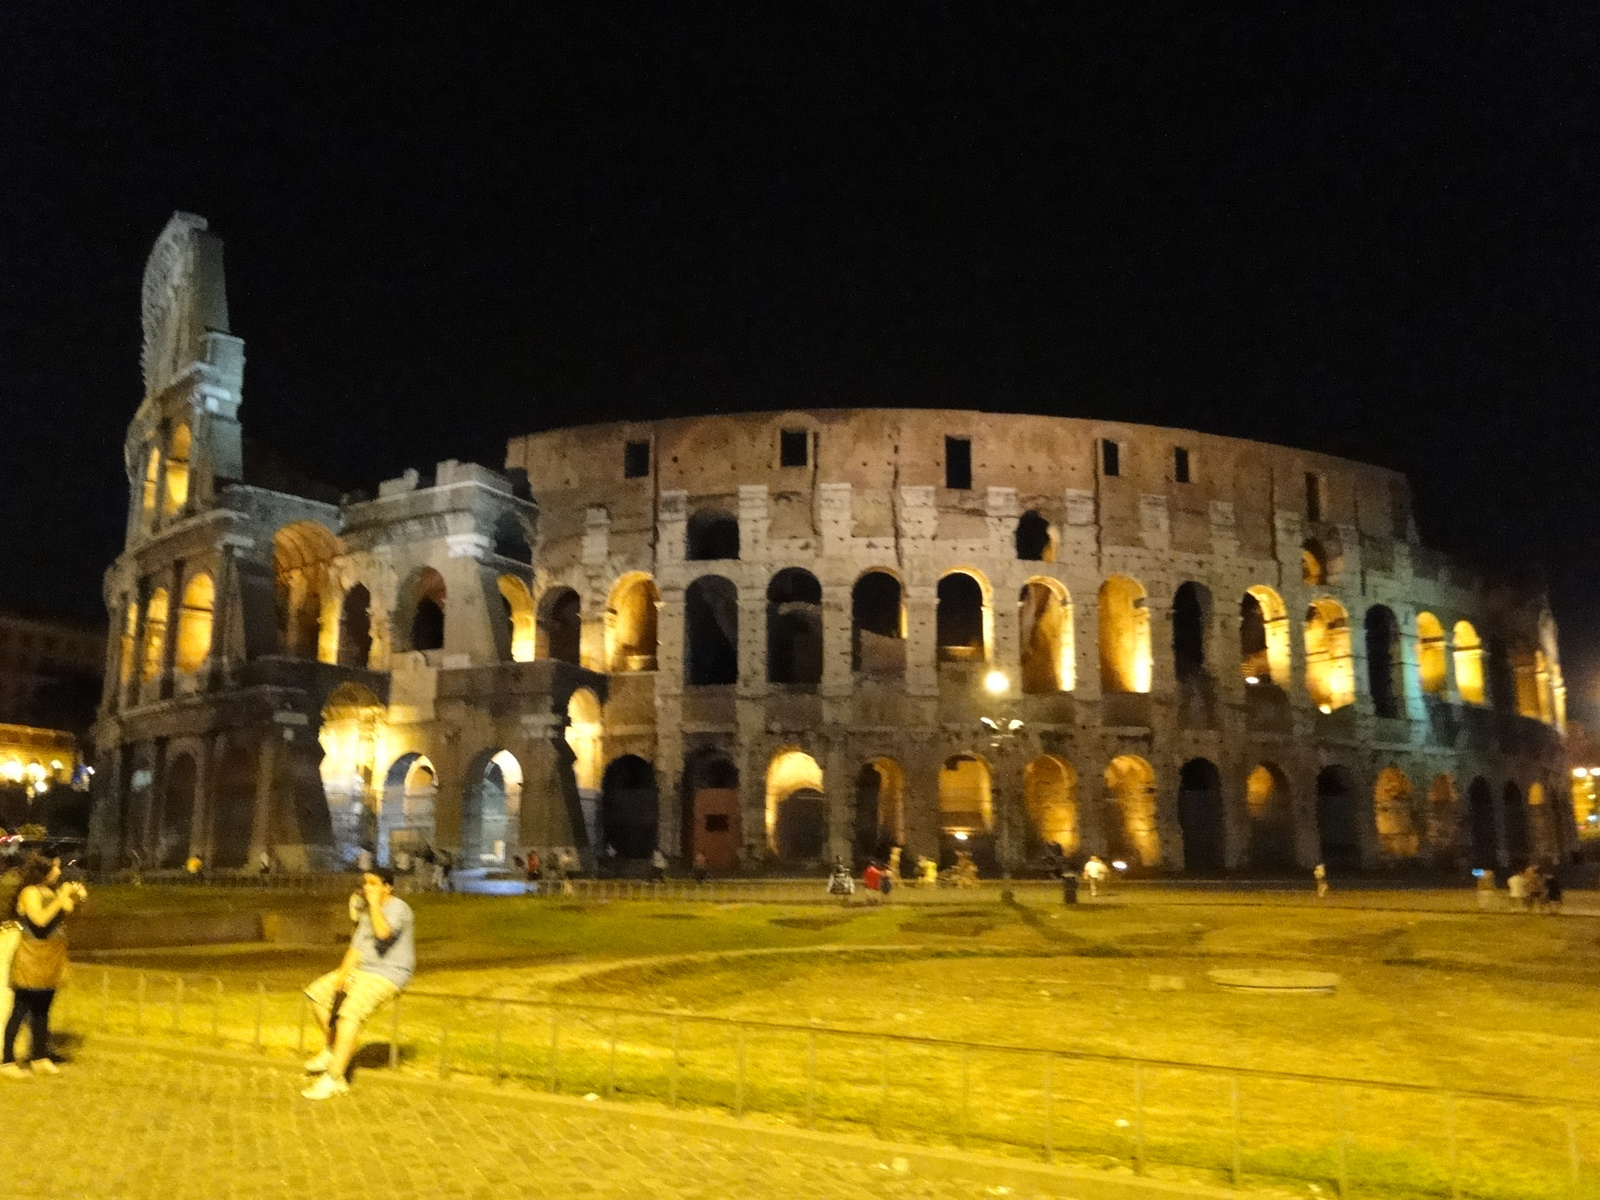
[
  {"x": 155, "y": 633},
  {"x": 1191, "y": 615},
  {"x": 631, "y": 624},
  {"x": 584, "y": 733},
  {"x": 629, "y": 807},
  {"x": 794, "y": 628},
  {"x": 355, "y": 628},
  {"x": 880, "y": 810},
  {"x": 1045, "y": 615},
  {"x": 1481, "y": 824},
  {"x": 1313, "y": 563},
  {"x": 877, "y": 627},
  {"x": 1338, "y": 819},
  {"x": 1050, "y": 796},
  {"x": 500, "y": 807},
  {"x": 1034, "y": 541},
  {"x": 125, "y": 651},
  {"x": 1468, "y": 653},
  {"x": 1542, "y": 821},
  {"x": 1330, "y": 675},
  {"x": 511, "y": 541},
  {"x": 173, "y": 829},
  {"x": 1516, "y": 819},
  {"x": 352, "y": 727},
  {"x": 406, "y": 814},
  {"x": 152, "y": 481},
  {"x": 302, "y": 558},
  {"x": 1201, "y": 818},
  {"x": 233, "y": 806},
  {"x": 178, "y": 470},
  {"x": 517, "y": 604},
  {"x": 1393, "y": 814},
  {"x": 1444, "y": 820},
  {"x": 711, "y": 794},
  {"x": 1266, "y": 800},
  {"x": 1263, "y": 637},
  {"x": 1383, "y": 662},
  {"x": 710, "y": 632},
  {"x": 959, "y": 622},
  {"x": 1431, "y": 665},
  {"x": 797, "y": 810},
  {"x": 194, "y": 623},
  {"x": 560, "y": 633},
  {"x": 427, "y": 611},
  {"x": 1124, "y": 636},
  {"x": 711, "y": 536},
  {"x": 966, "y": 810},
  {"x": 1131, "y": 832}
]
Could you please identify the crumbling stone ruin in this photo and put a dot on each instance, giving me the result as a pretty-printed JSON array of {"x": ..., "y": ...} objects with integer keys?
[{"x": 774, "y": 638}]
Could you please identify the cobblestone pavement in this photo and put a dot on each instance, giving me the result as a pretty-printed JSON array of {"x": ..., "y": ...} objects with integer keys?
[{"x": 121, "y": 1126}]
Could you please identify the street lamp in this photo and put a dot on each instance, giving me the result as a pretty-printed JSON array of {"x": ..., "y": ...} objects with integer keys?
[{"x": 1003, "y": 730}]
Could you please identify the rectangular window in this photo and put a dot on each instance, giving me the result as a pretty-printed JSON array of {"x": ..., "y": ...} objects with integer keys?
[
  {"x": 1313, "y": 496},
  {"x": 794, "y": 448},
  {"x": 1180, "y": 465},
  {"x": 716, "y": 822},
  {"x": 636, "y": 460},
  {"x": 958, "y": 463},
  {"x": 1110, "y": 457}
]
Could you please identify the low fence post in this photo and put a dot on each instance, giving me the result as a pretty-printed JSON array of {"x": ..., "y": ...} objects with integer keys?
[
  {"x": 672, "y": 1071},
  {"x": 811, "y": 1078},
  {"x": 1138, "y": 1118},
  {"x": 1233, "y": 1103},
  {"x": 394, "y": 1036},
  {"x": 738, "y": 1084},
  {"x": 499, "y": 1043}
]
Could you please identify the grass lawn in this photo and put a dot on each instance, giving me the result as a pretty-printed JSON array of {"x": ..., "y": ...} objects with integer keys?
[{"x": 1496, "y": 1002}]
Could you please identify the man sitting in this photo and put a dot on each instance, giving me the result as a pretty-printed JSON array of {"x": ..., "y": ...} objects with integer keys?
[{"x": 380, "y": 961}]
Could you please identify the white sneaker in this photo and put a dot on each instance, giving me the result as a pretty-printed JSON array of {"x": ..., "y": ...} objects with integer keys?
[
  {"x": 13, "y": 1070},
  {"x": 325, "y": 1087},
  {"x": 44, "y": 1066},
  {"x": 319, "y": 1064}
]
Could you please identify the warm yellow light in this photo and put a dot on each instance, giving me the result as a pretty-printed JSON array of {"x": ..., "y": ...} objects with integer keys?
[
  {"x": 1580, "y": 772},
  {"x": 960, "y": 835},
  {"x": 1325, "y": 708},
  {"x": 1252, "y": 679},
  {"x": 996, "y": 682}
]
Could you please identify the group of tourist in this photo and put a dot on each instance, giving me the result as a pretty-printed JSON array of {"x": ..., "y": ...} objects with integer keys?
[{"x": 1532, "y": 889}]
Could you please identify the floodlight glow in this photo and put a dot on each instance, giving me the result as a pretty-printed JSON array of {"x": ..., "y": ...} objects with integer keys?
[
  {"x": 1324, "y": 708},
  {"x": 1580, "y": 772},
  {"x": 961, "y": 835},
  {"x": 1014, "y": 724},
  {"x": 1252, "y": 679},
  {"x": 1119, "y": 865},
  {"x": 996, "y": 682}
]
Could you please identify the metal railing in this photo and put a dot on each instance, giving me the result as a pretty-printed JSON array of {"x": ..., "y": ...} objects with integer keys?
[{"x": 1229, "y": 1124}]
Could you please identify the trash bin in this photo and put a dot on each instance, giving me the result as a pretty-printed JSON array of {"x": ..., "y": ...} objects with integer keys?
[{"x": 1069, "y": 887}]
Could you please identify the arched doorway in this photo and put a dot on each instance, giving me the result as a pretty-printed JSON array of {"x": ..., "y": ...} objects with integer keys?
[
  {"x": 797, "y": 810},
  {"x": 1444, "y": 821},
  {"x": 424, "y": 624},
  {"x": 966, "y": 810},
  {"x": 1271, "y": 814},
  {"x": 1124, "y": 636},
  {"x": 355, "y": 628},
  {"x": 877, "y": 627},
  {"x": 1045, "y": 619},
  {"x": 1485, "y": 842},
  {"x": 1033, "y": 539},
  {"x": 1330, "y": 675},
  {"x": 1050, "y": 796},
  {"x": 794, "y": 628},
  {"x": 1338, "y": 821},
  {"x": 490, "y": 806},
  {"x": 880, "y": 810},
  {"x": 1130, "y": 820},
  {"x": 1191, "y": 617},
  {"x": 233, "y": 806},
  {"x": 560, "y": 625},
  {"x": 1393, "y": 814},
  {"x": 710, "y": 632},
  {"x": 1383, "y": 662},
  {"x": 711, "y": 802},
  {"x": 1201, "y": 817},
  {"x": 631, "y": 624},
  {"x": 406, "y": 815},
  {"x": 629, "y": 807},
  {"x": 175, "y": 826},
  {"x": 1516, "y": 818},
  {"x": 352, "y": 725},
  {"x": 959, "y": 625},
  {"x": 516, "y": 608}
]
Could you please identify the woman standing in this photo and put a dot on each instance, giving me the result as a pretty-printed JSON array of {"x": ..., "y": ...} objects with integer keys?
[{"x": 40, "y": 961}]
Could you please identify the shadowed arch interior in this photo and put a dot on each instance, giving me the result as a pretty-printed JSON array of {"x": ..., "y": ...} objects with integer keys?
[
  {"x": 1034, "y": 542},
  {"x": 711, "y": 535},
  {"x": 629, "y": 807},
  {"x": 560, "y": 631},
  {"x": 877, "y": 626},
  {"x": 1201, "y": 818},
  {"x": 1338, "y": 819},
  {"x": 711, "y": 632},
  {"x": 794, "y": 628},
  {"x": 959, "y": 620}
]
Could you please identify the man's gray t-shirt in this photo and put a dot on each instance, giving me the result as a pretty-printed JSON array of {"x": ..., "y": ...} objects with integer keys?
[{"x": 398, "y": 962}]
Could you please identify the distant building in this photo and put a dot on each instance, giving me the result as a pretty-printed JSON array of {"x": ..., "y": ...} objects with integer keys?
[{"x": 50, "y": 673}]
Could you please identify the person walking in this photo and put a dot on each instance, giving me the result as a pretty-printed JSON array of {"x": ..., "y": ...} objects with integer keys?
[
  {"x": 39, "y": 963},
  {"x": 380, "y": 962},
  {"x": 870, "y": 879},
  {"x": 1320, "y": 874},
  {"x": 1517, "y": 890},
  {"x": 1552, "y": 887},
  {"x": 1095, "y": 872},
  {"x": 10, "y": 927},
  {"x": 658, "y": 866}
]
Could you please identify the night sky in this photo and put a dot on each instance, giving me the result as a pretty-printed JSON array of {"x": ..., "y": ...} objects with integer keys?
[{"x": 1372, "y": 235}]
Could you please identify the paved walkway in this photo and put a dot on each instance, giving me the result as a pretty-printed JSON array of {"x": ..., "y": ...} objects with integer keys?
[{"x": 126, "y": 1126}]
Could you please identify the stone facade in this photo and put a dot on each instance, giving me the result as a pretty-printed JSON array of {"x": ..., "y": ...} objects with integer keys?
[{"x": 774, "y": 638}]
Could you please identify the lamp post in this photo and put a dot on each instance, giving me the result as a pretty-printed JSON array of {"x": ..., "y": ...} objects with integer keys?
[{"x": 1003, "y": 730}]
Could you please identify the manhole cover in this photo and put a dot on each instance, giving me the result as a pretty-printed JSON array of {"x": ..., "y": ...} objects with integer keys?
[{"x": 1267, "y": 979}]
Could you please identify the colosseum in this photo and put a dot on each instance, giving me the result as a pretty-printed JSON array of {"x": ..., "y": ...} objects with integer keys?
[{"x": 774, "y": 638}]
